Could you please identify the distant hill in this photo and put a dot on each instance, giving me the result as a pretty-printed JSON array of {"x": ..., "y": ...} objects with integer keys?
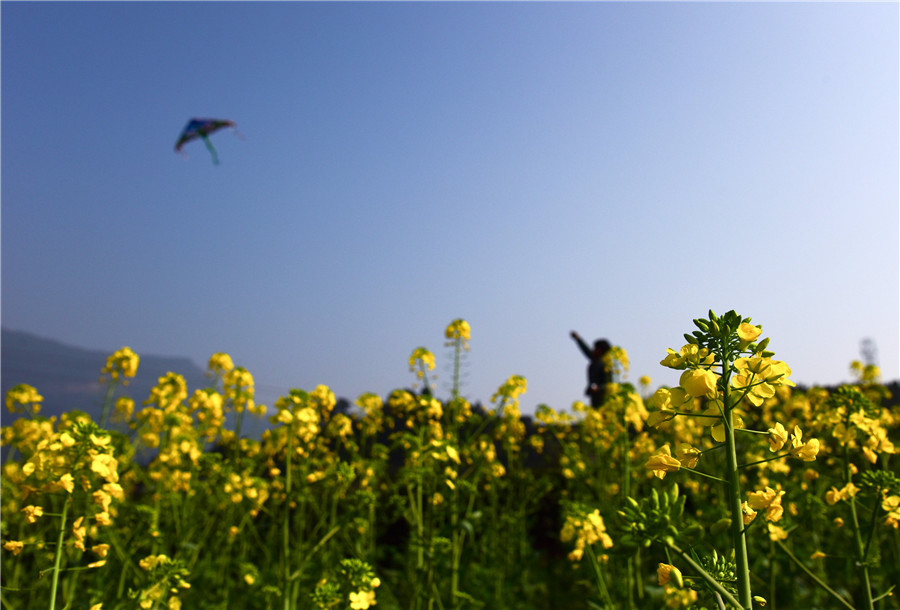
[{"x": 68, "y": 377}]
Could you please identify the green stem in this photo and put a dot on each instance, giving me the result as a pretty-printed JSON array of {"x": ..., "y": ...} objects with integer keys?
[
  {"x": 857, "y": 536},
  {"x": 742, "y": 562},
  {"x": 626, "y": 485},
  {"x": 706, "y": 576},
  {"x": 872, "y": 524},
  {"x": 812, "y": 575},
  {"x": 457, "y": 538},
  {"x": 703, "y": 474},
  {"x": 601, "y": 582},
  {"x": 59, "y": 552},
  {"x": 777, "y": 457},
  {"x": 107, "y": 404},
  {"x": 285, "y": 520},
  {"x": 456, "y": 354}
]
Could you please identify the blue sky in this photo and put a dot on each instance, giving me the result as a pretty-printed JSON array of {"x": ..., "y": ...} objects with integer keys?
[{"x": 534, "y": 168}]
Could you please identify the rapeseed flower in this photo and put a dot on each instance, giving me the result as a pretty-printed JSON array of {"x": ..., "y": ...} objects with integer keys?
[
  {"x": 776, "y": 532},
  {"x": 24, "y": 398},
  {"x": 360, "y": 600},
  {"x": 778, "y": 436},
  {"x": 587, "y": 528},
  {"x": 663, "y": 463},
  {"x": 666, "y": 572},
  {"x": 748, "y": 514},
  {"x": 689, "y": 355},
  {"x": 220, "y": 363},
  {"x": 424, "y": 359},
  {"x": 33, "y": 513},
  {"x": 122, "y": 363},
  {"x": 747, "y": 333},
  {"x": 459, "y": 329},
  {"x": 805, "y": 451},
  {"x": 698, "y": 382},
  {"x": 768, "y": 500},
  {"x": 758, "y": 377},
  {"x": 891, "y": 505}
]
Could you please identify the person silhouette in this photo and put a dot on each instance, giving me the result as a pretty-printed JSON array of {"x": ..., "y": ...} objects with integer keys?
[{"x": 598, "y": 374}]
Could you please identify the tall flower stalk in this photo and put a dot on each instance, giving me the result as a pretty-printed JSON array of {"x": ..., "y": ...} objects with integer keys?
[
  {"x": 458, "y": 333},
  {"x": 121, "y": 366},
  {"x": 726, "y": 371}
]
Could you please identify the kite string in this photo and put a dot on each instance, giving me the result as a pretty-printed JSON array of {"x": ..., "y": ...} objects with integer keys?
[{"x": 212, "y": 150}]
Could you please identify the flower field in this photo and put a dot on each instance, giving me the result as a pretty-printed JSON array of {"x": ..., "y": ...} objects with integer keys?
[{"x": 733, "y": 490}]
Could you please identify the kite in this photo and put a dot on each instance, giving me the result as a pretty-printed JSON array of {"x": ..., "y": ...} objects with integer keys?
[{"x": 202, "y": 128}]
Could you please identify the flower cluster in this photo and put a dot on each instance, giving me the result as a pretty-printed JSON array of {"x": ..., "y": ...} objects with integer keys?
[
  {"x": 586, "y": 528},
  {"x": 122, "y": 364},
  {"x": 23, "y": 398}
]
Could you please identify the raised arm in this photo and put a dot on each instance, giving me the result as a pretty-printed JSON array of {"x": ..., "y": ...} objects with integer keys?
[{"x": 588, "y": 352}]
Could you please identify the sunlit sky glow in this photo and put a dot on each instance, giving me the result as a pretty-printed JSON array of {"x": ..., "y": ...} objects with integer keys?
[{"x": 535, "y": 168}]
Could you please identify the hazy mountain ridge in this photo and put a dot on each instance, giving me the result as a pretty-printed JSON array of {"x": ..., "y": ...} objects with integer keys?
[{"x": 68, "y": 377}]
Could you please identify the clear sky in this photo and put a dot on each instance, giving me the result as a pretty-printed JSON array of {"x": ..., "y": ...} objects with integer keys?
[{"x": 535, "y": 168}]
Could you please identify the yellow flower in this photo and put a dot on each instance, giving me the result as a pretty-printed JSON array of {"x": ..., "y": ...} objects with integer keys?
[
  {"x": 122, "y": 363},
  {"x": 818, "y": 555},
  {"x": 100, "y": 440},
  {"x": 106, "y": 466},
  {"x": 759, "y": 376},
  {"x": 421, "y": 354},
  {"x": 22, "y": 395},
  {"x": 748, "y": 333},
  {"x": 891, "y": 505},
  {"x": 804, "y": 451},
  {"x": 777, "y": 437},
  {"x": 688, "y": 455},
  {"x": 220, "y": 363},
  {"x": 748, "y": 513},
  {"x": 79, "y": 531},
  {"x": 151, "y": 561},
  {"x": 776, "y": 532},
  {"x": 663, "y": 463},
  {"x": 770, "y": 500},
  {"x": 362, "y": 600},
  {"x": 689, "y": 354},
  {"x": 668, "y": 401},
  {"x": 698, "y": 382},
  {"x": 835, "y": 495},
  {"x": 124, "y": 407},
  {"x": 14, "y": 546},
  {"x": 458, "y": 329},
  {"x": 32, "y": 513},
  {"x": 67, "y": 482},
  {"x": 101, "y": 550},
  {"x": 666, "y": 572}
]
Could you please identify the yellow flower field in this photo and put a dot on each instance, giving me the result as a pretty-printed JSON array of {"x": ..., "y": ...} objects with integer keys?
[{"x": 735, "y": 489}]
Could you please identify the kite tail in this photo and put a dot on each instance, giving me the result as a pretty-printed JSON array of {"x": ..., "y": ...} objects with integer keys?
[{"x": 212, "y": 150}]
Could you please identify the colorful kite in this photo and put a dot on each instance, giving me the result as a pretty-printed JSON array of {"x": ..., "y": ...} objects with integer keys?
[{"x": 202, "y": 128}]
